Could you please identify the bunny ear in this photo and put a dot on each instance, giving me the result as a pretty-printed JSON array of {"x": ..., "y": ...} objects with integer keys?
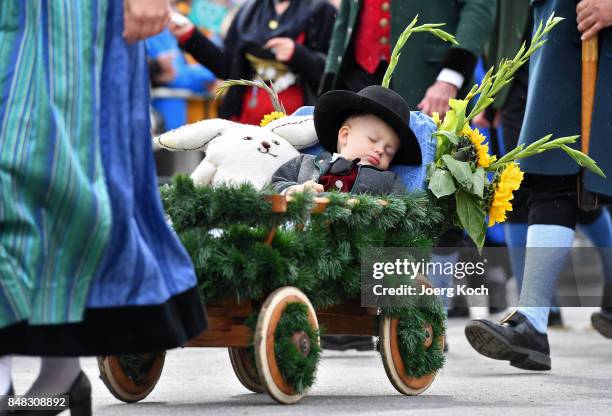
[
  {"x": 297, "y": 130},
  {"x": 192, "y": 136}
]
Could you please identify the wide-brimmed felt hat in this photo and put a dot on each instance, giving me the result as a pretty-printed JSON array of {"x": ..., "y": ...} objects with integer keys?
[{"x": 333, "y": 107}]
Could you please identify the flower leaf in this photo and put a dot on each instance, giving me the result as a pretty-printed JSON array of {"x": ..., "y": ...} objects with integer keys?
[
  {"x": 441, "y": 183},
  {"x": 452, "y": 137},
  {"x": 461, "y": 171},
  {"x": 478, "y": 182},
  {"x": 459, "y": 107},
  {"x": 583, "y": 160},
  {"x": 472, "y": 216}
]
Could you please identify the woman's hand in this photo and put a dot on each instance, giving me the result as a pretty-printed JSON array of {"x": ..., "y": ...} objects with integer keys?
[
  {"x": 282, "y": 48},
  {"x": 308, "y": 185},
  {"x": 593, "y": 16},
  {"x": 144, "y": 18}
]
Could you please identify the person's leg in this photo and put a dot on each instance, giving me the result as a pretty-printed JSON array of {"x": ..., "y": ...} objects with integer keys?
[
  {"x": 443, "y": 280},
  {"x": 598, "y": 229},
  {"x": 597, "y": 226},
  {"x": 516, "y": 239},
  {"x": 542, "y": 269},
  {"x": 5, "y": 374},
  {"x": 56, "y": 376},
  {"x": 521, "y": 337}
]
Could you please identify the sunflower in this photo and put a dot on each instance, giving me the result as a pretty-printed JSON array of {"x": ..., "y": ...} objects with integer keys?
[
  {"x": 268, "y": 118},
  {"x": 509, "y": 181},
  {"x": 483, "y": 158}
]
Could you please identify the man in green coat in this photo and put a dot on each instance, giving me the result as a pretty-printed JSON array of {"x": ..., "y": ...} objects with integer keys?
[
  {"x": 430, "y": 71},
  {"x": 553, "y": 106}
]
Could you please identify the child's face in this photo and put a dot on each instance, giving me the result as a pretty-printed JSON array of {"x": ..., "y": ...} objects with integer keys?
[{"x": 370, "y": 139}]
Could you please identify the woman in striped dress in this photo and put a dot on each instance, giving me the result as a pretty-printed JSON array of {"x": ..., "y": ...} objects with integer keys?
[{"x": 88, "y": 265}]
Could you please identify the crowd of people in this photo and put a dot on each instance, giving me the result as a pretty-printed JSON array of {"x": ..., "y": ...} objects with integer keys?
[{"x": 83, "y": 147}]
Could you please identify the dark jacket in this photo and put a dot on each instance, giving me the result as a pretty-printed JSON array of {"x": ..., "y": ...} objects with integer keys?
[
  {"x": 508, "y": 34},
  {"x": 424, "y": 55},
  {"x": 307, "y": 167},
  {"x": 554, "y": 98},
  {"x": 230, "y": 62}
]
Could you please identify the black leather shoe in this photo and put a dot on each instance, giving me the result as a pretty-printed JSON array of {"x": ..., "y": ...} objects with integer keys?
[
  {"x": 4, "y": 400},
  {"x": 602, "y": 322},
  {"x": 79, "y": 400},
  {"x": 514, "y": 339},
  {"x": 555, "y": 320},
  {"x": 347, "y": 342}
]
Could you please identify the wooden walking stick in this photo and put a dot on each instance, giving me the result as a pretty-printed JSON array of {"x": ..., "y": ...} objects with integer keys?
[{"x": 587, "y": 201}]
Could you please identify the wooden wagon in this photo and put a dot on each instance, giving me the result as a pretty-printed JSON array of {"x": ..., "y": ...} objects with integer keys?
[{"x": 252, "y": 347}]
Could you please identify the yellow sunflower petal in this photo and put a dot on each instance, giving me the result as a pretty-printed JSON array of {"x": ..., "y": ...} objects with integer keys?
[
  {"x": 509, "y": 181},
  {"x": 268, "y": 118}
]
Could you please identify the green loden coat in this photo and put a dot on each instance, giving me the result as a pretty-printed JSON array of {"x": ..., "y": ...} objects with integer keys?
[
  {"x": 553, "y": 101},
  {"x": 423, "y": 55}
]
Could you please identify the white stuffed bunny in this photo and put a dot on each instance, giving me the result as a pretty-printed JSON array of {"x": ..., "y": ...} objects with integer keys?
[{"x": 239, "y": 153}]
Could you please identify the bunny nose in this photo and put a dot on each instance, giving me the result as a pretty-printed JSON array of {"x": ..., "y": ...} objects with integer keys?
[{"x": 265, "y": 144}]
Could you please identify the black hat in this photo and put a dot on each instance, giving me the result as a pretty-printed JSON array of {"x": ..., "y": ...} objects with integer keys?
[{"x": 333, "y": 107}]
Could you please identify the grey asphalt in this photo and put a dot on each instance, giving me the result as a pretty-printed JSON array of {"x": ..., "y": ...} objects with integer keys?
[{"x": 201, "y": 381}]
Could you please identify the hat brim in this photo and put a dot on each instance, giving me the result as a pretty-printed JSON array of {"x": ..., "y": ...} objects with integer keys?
[{"x": 332, "y": 109}]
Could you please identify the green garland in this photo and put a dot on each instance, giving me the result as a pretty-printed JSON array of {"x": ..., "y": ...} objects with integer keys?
[
  {"x": 297, "y": 370},
  {"x": 224, "y": 229},
  {"x": 418, "y": 310},
  {"x": 137, "y": 366}
]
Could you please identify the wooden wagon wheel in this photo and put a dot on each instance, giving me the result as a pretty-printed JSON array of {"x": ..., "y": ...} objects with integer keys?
[
  {"x": 245, "y": 370},
  {"x": 129, "y": 387},
  {"x": 269, "y": 317},
  {"x": 393, "y": 362},
  {"x": 392, "y": 358}
]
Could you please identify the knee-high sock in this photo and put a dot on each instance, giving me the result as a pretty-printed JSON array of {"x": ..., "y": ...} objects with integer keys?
[
  {"x": 599, "y": 233},
  {"x": 542, "y": 269},
  {"x": 5, "y": 374},
  {"x": 56, "y": 376},
  {"x": 516, "y": 239},
  {"x": 443, "y": 280}
]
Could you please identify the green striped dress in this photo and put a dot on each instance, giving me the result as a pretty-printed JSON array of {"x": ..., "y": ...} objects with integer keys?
[{"x": 83, "y": 242}]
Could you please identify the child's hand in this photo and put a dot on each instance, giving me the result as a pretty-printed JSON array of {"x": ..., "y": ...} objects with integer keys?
[{"x": 310, "y": 185}]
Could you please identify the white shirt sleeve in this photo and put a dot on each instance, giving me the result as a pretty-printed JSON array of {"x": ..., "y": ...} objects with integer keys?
[{"x": 452, "y": 77}]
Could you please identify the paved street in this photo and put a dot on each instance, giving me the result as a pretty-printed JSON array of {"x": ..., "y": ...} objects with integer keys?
[{"x": 201, "y": 381}]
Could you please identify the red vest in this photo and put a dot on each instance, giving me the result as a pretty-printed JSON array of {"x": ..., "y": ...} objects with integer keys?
[
  {"x": 342, "y": 182},
  {"x": 373, "y": 38}
]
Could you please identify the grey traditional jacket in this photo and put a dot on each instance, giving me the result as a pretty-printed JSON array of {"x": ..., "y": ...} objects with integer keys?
[{"x": 307, "y": 167}]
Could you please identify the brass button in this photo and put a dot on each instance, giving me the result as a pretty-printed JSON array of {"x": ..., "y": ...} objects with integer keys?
[
  {"x": 273, "y": 24},
  {"x": 383, "y": 22},
  {"x": 385, "y": 6},
  {"x": 384, "y": 40}
]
